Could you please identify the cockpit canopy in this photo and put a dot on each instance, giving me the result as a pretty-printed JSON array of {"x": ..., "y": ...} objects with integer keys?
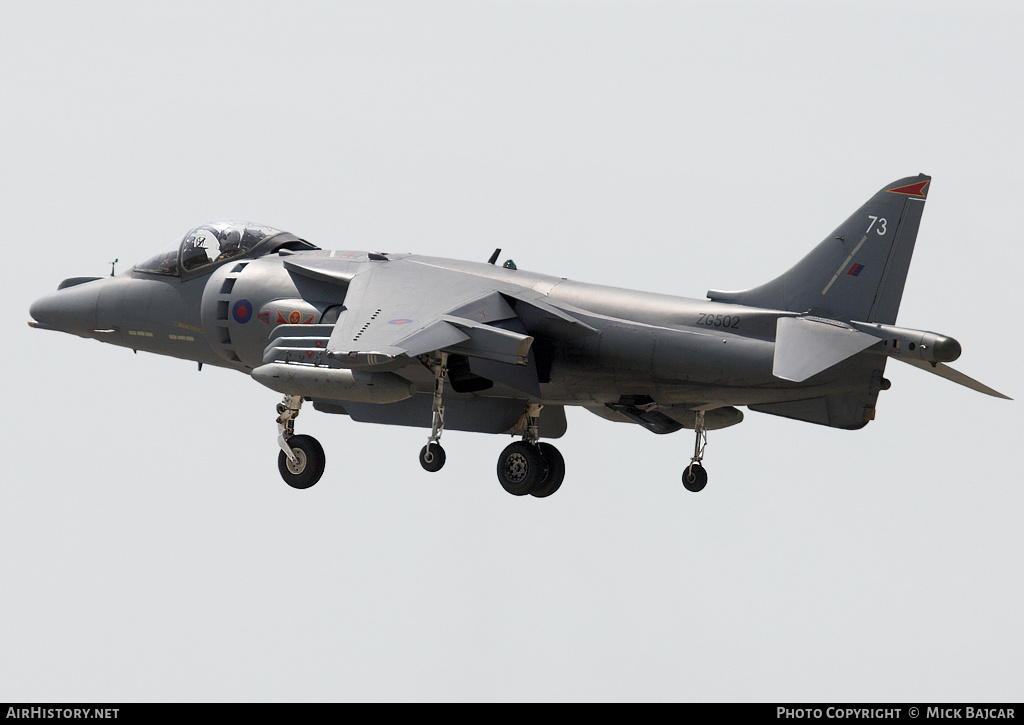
[{"x": 210, "y": 244}]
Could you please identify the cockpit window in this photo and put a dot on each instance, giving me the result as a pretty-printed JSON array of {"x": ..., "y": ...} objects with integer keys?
[
  {"x": 163, "y": 263},
  {"x": 208, "y": 244}
]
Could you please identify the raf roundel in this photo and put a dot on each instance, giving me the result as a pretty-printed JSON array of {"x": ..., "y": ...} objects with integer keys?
[{"x": 242, "y": 311}]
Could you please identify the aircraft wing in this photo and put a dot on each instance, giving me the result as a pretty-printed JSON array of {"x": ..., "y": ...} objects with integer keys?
[{"x": 397, "y": 308}]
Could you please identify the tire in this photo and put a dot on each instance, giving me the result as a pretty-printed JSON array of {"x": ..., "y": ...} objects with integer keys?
[
  {"x": 521, "y": 468},
  {"x": 556, "y": 471},
  {"x": 432, "y": 457},
  {"x": 311, "y": 461},
  {"x": 695, "y": 478}
]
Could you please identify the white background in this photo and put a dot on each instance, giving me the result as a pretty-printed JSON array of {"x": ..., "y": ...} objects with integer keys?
[{"x": 150, "y": 551}]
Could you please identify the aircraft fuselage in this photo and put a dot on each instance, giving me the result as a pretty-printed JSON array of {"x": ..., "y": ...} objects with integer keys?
[{"x": 404, "y": 339}]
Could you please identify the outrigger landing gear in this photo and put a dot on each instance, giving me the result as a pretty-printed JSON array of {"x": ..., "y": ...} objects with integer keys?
[
  {"x": 695, "y": 478},
  {"x": 528, "y": 466},
  {"x": 432, "y": 455},
  {"x": 301, "y": 460}
]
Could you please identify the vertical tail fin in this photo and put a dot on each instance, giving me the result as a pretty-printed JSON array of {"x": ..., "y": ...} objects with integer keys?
[{"x": 857, "y": 272}]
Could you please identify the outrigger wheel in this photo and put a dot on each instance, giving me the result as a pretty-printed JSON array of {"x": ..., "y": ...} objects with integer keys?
[
  {"x": 432, "y": 457},
  {"x": 695, "y": 478}
]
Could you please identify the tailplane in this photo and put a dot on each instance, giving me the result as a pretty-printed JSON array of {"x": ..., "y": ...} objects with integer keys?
[{"x": 859, "y": 270}]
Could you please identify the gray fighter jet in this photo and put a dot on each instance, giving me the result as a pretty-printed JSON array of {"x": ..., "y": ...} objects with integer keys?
[{"x": 409, "y": 340}]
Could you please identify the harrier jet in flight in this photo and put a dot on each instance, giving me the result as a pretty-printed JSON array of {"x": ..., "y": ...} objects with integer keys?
[{"x": 404, "y": 339}]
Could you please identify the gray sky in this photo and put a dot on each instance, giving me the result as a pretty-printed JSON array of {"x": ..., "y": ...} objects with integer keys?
[{"x": 149, "y": 549}]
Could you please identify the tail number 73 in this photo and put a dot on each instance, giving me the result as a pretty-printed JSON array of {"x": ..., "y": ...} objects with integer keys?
[{"x": 877, "y": 223}]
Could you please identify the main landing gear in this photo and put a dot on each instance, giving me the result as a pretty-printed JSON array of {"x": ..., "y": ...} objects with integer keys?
[
  {"x": 529, "y": 466},
  {"x": 301, "y": 460},
  {"x": 525, "y": 467},
  {"x": 695, "y": 478}
]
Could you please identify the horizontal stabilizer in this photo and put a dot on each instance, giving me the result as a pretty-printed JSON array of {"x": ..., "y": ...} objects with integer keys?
[
  {"x": 804, "y": 346},
  {"x": 944, "y": 371}
]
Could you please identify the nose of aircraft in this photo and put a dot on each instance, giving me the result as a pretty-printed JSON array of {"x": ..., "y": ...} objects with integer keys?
[{"x": 72, "y": 308}]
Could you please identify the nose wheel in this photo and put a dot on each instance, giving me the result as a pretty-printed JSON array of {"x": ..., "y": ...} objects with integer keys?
[{"x": 301, "y": 460}]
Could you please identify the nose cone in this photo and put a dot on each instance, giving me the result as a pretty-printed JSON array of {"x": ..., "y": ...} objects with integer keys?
[{"x": 70, "y": 309}]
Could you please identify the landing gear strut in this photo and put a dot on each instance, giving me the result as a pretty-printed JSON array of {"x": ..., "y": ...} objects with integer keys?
[
  {"x": 524, "y": 467},
  {"x": 301, "y": 460},
  {"x": 529, "y": 466},
  {"x": 695, "y": 478},
  {"x": 432, "y": 455}
]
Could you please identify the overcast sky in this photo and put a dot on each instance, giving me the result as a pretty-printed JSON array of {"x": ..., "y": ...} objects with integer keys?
[{"x": 149, "y": 550}]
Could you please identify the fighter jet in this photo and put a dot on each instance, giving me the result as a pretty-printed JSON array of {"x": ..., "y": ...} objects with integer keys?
[{"x": 404, "y": 339}]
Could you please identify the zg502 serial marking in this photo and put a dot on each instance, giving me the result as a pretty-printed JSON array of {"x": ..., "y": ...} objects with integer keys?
[{"x": 731, "y": 321}]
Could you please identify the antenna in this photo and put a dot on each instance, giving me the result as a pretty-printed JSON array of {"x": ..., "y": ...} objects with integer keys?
[
  {"x": 494, "y": 257},
  {"x": 112, "y": 267}
]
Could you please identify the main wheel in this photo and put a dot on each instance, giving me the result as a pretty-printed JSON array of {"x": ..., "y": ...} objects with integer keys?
[
  {"x": 309, "y": 462},
  {"x": 695, "y": 478},
  {"x": 556, "y": 471},
  {"x": 432, "y": 457},
  {"x": 521, "y": 468}
]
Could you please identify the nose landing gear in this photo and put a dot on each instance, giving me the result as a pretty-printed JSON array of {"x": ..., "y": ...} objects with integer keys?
[{"x": 301, "y": 460}]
